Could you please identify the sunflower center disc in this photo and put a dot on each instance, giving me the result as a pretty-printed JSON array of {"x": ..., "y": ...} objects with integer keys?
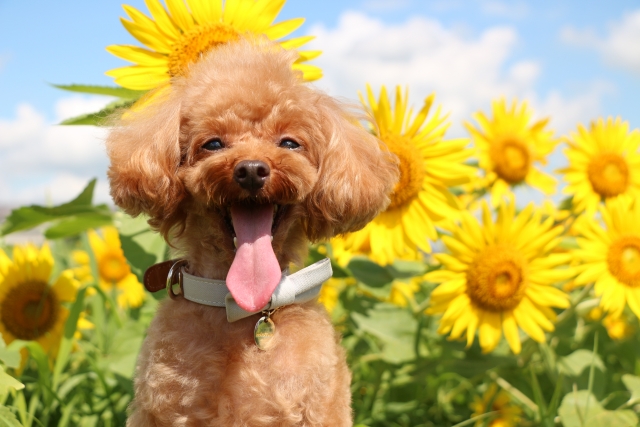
[
  {"x": 624, "y": 260},
  {"x": 495, "y": 279},
  {"x": 195, "y": 43},
  {"x": 512, "y": 160},
  {"x": 411, "y": 170},
  {"x": 29, "y": 310},
  {"x": 608, "y": 174}
]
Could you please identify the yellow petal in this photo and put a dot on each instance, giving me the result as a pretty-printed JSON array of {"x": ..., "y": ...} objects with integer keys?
[
  {"x": 284, "y": 28},
  {"x": 138, "y": 55},
  {"x": 490, "y": 331},
  {"x": 140, "y": 78},
  {"x": 150, "y": 37},
  {"x": 528, "y": 325},
  {"x": 510, "y": 328},
  {"x": 206, "y": 11},
  {"x": 132, "y": 292},
  {"x": 296, "y": 42},
  {"x": 180, "y": 14},
  {"x": 162, "y": 19},
  {"x": 66, "y": 286}
]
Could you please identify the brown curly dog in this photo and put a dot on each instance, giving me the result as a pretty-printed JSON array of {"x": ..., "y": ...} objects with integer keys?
[{"x": 241, "y": 149}]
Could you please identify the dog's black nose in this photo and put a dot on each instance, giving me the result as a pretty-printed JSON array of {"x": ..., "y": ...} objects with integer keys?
[{"x": 251, "y": 174}]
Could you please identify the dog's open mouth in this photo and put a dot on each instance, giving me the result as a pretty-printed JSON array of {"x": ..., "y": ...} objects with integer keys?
[{"x": 255, "y": 272}]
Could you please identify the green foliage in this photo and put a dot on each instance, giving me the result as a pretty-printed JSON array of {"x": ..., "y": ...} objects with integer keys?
[
  {"x": 117, "y": 91},
  {"x": 581, "y": 409},
  {"x": 142, "y": 247},
  {"x": 100, "y": 118},
  {"x": 67, "y": 219},
  {"x": 126, "y": 98},
  {"x": 405, "y": 374},
  {"x": 8, "y": 418}
]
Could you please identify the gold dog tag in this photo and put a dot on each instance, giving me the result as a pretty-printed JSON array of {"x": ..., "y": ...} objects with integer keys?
[{"x": 263, "y": 332}]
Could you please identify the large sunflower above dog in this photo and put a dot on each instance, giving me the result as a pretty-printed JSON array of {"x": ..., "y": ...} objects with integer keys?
[{"x": 178, "y": 35}]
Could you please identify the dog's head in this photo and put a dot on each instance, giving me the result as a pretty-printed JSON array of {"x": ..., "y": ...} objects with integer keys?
[{"x": 241, "y": 149}]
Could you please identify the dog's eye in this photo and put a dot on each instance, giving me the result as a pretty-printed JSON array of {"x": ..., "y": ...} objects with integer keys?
[
  {"x": 289, "y": 144},
  {"x": 213, "y": 144}
]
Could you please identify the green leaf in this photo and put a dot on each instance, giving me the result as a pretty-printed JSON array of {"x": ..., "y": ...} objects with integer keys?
[
  {"x": 405, "y": 269},
  {"x": 124, "y": 352},
  {"x": 338, "y": 271},
  {"x": 99, "y": 118},
  {"x": 620, "y": 418},
  {"x": 116, "y": 91},
  {"x": 142, "y": 246},
  {"x": 573, "y": 364},
  {"x": 392, "y": 325},
  {"x": 28, "y": 217},
  {"x": 7, "y": 382},
  {"x": 538, "y": 397},
  {"x": 37, "y": 353},
  {"x": 633, "y": 385},
  {"x": 79, "y": 223},
  {"x": 555, "y": 398},
  {"x": 11, "y": 358},
  {"x": 572, "y": 409},
  {"x": 369, "y": 272},
  {"x": 68, "y": 411},
  {"x": 8, "y": 418},
  {"x": 381, "y": 293},
  {"x": 566, "y": 204}
]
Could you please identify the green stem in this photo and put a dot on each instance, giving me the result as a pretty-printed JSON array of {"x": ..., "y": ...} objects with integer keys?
[
  {"x": 591, "y": 374},
  {"x": 476, "y": 419},
  {"x": 517, "y": 394},
  {"x": 565, "y": 314}
]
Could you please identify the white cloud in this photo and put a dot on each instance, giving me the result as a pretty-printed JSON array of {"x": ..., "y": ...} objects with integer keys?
[
  {"x": 73, "y": 106},
  {"x": 567, "y": 112},
  {"x": 465, "y": 72},
  {"x": 45, "y": 163},
  {"x": 619, "y": 47}
]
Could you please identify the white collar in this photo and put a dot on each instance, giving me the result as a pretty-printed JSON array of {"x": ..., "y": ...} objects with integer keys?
[{"x": 297, "y": 288}]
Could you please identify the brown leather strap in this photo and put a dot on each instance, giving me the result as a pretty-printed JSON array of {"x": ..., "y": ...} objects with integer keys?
[{"x": 155, "y": 278}]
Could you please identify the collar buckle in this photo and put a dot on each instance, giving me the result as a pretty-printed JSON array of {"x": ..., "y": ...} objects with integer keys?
[{"x": 175, "y": 270}]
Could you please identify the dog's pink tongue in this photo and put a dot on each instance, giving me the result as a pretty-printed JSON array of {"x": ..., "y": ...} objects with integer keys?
[{"x": 255, "y": 272}]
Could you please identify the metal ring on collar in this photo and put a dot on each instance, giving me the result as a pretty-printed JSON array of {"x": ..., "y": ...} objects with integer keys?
[{"x": 175, "y": 269}]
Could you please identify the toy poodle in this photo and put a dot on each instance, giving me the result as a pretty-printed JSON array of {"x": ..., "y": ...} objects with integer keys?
[{"x": 239, "y": 165}]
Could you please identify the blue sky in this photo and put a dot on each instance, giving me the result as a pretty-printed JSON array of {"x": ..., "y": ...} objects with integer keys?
[{"x": 572, "y": 60}]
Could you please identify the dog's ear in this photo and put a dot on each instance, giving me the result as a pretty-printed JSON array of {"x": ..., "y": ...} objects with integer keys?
[
  {"x": 356, "y": 175},
  {"x": 145, "y": 155}
]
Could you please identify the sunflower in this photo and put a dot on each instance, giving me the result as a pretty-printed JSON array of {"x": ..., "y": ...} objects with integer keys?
[
  {"x": 604, "y": 164},
  {"x": 428, "y": 166},
  {"x": 402, "y": 291},
  {"x": 509, "y": 145},
  {"x": 115, "y": 274},
  {"x": 499, "y": 277},
  {"x": 30, "y": 307},
  {"x": 618, "y": 328},
  {"x": 500, "y": 402},
  {"x": 178, "y": 35},
  {"x": 610, "y": 256},
  {"x": 331, "y": 290}
]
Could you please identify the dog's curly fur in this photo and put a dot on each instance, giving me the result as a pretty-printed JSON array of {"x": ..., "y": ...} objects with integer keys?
[{"x": 195, "y": 368}]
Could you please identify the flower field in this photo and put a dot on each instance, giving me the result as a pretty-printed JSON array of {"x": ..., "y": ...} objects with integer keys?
[{"x": 462, "y": 304}]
